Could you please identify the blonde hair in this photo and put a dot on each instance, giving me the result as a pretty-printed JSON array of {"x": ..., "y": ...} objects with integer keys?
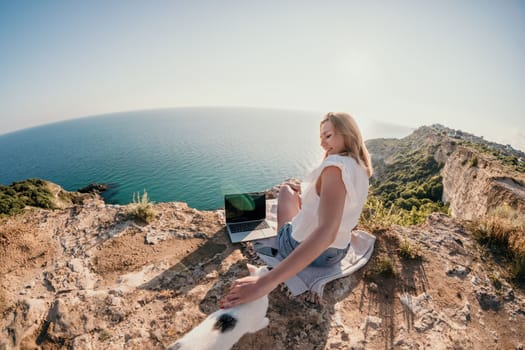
[{"x": 355, "y": 146}]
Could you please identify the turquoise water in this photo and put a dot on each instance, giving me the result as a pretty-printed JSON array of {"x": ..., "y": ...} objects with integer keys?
[{"x": 195, "y": 155}]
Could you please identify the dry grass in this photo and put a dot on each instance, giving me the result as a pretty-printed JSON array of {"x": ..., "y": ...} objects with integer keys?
[
  {"x": 409, "y": 251},
  {"x": 503, "y": 232},
  {"x": 385, "y": 266},
  {"x": 142, "y": 208},
  {"x": 380, "y": 266},
  {"x": 376, "y": 217}
]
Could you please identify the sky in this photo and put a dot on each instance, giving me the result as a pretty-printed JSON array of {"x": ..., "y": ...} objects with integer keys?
[{"x": 399, "y": 63}]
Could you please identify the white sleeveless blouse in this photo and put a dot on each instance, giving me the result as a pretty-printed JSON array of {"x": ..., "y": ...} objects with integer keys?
[{"x": 355, "y": 179}]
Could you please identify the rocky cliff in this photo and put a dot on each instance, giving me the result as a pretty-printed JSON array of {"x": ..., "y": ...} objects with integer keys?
[
  {"x": 474, "y": 184},
  {"x": 87, "y": 276}
]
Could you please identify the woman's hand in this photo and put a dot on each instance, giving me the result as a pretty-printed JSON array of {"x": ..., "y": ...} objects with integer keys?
[
  {"x": 296, "y": 187},
  {"x": 245, "y": 290}
]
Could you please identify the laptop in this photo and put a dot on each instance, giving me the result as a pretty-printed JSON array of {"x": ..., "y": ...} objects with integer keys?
[{"x": 246, "y": 217}]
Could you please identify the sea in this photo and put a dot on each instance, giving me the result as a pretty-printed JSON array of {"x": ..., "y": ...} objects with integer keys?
[{"x": 194, "y": 155}]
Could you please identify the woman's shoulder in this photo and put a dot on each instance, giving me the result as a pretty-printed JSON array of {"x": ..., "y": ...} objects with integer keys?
[
  {"x": 345, "y": 163},
  {"x": 340, "y": 159}
]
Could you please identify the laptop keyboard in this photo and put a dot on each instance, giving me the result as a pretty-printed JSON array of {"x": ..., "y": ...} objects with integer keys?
[{"x": 248, "y": 226}]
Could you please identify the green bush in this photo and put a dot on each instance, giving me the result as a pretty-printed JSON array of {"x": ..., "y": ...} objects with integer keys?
[
  {"x": 409, "y": 251},
  {"x": 509, "y": 160},
  {"x": 410, "y": 188},
  {"x": 18, "y": 195},
  {"x": 377, "y": 216},
  {"x": 384, "y": 266}
]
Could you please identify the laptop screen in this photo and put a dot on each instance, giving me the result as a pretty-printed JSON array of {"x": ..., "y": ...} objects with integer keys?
[{"x": 245, "y": 207}]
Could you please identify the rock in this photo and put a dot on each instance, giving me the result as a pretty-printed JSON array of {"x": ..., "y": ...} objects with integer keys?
[
  {"x": 372, "y": 321},
  {"x": 154, "y": 237},
  {"x": 465, "y": 313},
  {"x": 425, "y": 322},
  {"x": 509, "y": 296},
  {"x": 345, "y": 336},
  {"x": 357, "y": 342},
  {"x": 94, "y": 188},
  {"x": 82, "y": 342},
  {"x": 457, "y": 240},
  {"x": 336, "y": 345},
  {"x": 24, "y": 323},
  {"x": 414, "y": 304},
  {"x": 76, "y": 265},
  {"x": 403, "y": 344},
  {"x": 488, "y": 301},
  {"x": 458, "y": 271}
]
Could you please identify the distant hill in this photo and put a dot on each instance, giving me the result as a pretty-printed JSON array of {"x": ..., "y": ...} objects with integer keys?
[{"x": 436, "y": 168}]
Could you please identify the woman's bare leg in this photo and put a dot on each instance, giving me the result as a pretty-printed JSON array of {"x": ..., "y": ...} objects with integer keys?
[{"x": 288, "y": 205}]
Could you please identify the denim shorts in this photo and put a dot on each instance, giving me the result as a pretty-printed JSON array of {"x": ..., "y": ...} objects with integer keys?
[{"x": 287, "y": 244}]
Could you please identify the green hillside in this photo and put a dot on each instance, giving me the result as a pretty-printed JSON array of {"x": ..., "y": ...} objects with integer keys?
[
  {"x": 18, "y": 195},
  {"x": 407, "y": 183}
]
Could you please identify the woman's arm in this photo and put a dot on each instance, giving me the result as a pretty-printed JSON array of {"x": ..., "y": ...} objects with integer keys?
[{"x": 332, "y": 199}]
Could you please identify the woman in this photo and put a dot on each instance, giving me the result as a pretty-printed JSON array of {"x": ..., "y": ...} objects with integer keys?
[{"x": 315, "y": 229}]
